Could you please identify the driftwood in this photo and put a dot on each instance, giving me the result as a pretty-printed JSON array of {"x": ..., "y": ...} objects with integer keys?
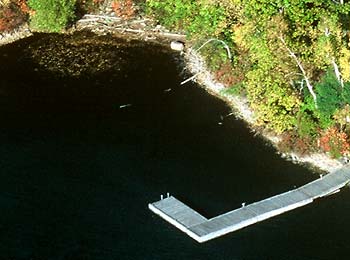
[
  {"x": 88, "y": 20},
  {"x": 102, "y": 17},
  {"x": 110, "y": 23},
  {"x": 191, "y": 78}
]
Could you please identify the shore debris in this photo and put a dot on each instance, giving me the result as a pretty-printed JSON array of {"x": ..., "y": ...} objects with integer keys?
[
  {"x": 141, "y": 28},
  {"x": 177, "y": 46},
  {"x": 125, "y": 106},
  {"x": 191, "y": 78}
]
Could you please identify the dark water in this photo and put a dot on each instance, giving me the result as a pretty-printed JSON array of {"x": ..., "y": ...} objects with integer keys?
[{"x": 77, "y": 171}]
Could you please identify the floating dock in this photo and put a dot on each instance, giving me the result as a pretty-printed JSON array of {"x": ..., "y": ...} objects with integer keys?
[{"x": 202, "y": 229}]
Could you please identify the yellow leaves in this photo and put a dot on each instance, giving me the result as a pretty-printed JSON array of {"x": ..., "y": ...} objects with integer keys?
[
  {"x": 240, "y": 34},
  {"x": 330, "y": 26},
  {"x": 234, "y": 9},
  {"x": 323, "y": 52},
  {"x": 4, "y": 3},
  {"x": 342, "y": 116},
  {"x": 273, "y": 100},
  {"x": 326, "y": 41},
  {"x": 220, "y": 27},
  {"x": 276, "y": 26},
  {"x": 344, "y": 63}
]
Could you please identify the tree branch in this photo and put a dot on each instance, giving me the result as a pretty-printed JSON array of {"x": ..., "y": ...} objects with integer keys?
[
  {"x": 335, "y": 66},
  {"x": 225, "y": 46},
  {"x": 308, "y": 84},
  {"x": 337, "y": 73}
]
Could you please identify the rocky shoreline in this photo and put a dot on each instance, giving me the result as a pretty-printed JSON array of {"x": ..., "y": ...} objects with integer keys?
[
  {"x": 20, "y": 33},
  {"x": 144, "y": 29},
  {"x": 196, "y": 65},
  {"x": 138, "y": 28}
]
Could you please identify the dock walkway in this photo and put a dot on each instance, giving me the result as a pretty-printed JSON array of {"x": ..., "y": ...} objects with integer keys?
[{"x": 202, "y": 229}]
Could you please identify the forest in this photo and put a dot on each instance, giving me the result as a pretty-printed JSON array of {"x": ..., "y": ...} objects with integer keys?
[{"x": 291, "y": 58}]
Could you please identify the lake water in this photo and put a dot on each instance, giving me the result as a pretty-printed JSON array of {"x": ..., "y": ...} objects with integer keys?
[{"x": 84, "y": 152}]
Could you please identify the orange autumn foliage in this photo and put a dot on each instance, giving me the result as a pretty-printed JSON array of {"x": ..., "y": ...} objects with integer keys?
[
  {"x": 23, "y": 6},
  {"x": 335, "y": 142},
  {"x": 124, "y": 8},
  {"x": 14, "y": 14}
]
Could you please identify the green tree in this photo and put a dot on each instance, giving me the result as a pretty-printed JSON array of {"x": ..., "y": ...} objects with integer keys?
[
  {"x": 196, "y": 18},
  {"x": 51, "y": 15},
  {"x": 295, "y": 56}
]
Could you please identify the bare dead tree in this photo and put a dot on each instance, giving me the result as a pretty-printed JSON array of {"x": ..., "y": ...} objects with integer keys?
[
  {"x": 220, "y": 41},
  {"x": 337, "y": 73},
  {"x": 306, "y": 79},
  {"x": 334, "y": 64}
]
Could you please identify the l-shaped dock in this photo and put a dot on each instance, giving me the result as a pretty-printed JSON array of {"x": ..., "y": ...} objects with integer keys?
[{"x": 202, "y": 229}]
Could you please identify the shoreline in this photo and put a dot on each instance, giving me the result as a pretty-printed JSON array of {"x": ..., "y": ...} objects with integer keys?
[
  {"x": 196, "y": 65},
  {"x": 18, "y": 34},
  {"x": 139, "y": 29}
]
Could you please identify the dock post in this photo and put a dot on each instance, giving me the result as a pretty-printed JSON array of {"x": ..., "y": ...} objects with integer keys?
[
  {"x": 167, "y": 195},
  {"x": 161, "y": 197},
  {"x": 243, "y": 204}
]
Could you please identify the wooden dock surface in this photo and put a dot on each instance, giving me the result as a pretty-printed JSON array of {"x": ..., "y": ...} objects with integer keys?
[{"x": 202, "y": 229}]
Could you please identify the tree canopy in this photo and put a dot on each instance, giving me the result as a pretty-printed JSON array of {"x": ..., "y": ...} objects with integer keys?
[{"x": 293, "y": 58}]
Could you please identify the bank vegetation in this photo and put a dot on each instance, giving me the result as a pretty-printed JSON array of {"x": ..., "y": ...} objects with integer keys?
[{"x": 291, "y": 59}]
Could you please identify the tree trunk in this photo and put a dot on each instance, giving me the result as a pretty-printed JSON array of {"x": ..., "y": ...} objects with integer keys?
[{"x": 308, "y": 84}]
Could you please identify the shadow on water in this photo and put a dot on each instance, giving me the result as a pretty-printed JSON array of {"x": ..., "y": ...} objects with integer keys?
[{"x": 85, "y": 148}]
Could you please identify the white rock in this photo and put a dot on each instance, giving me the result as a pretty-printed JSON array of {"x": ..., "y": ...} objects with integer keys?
[{"x": 177, "y": 46}]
